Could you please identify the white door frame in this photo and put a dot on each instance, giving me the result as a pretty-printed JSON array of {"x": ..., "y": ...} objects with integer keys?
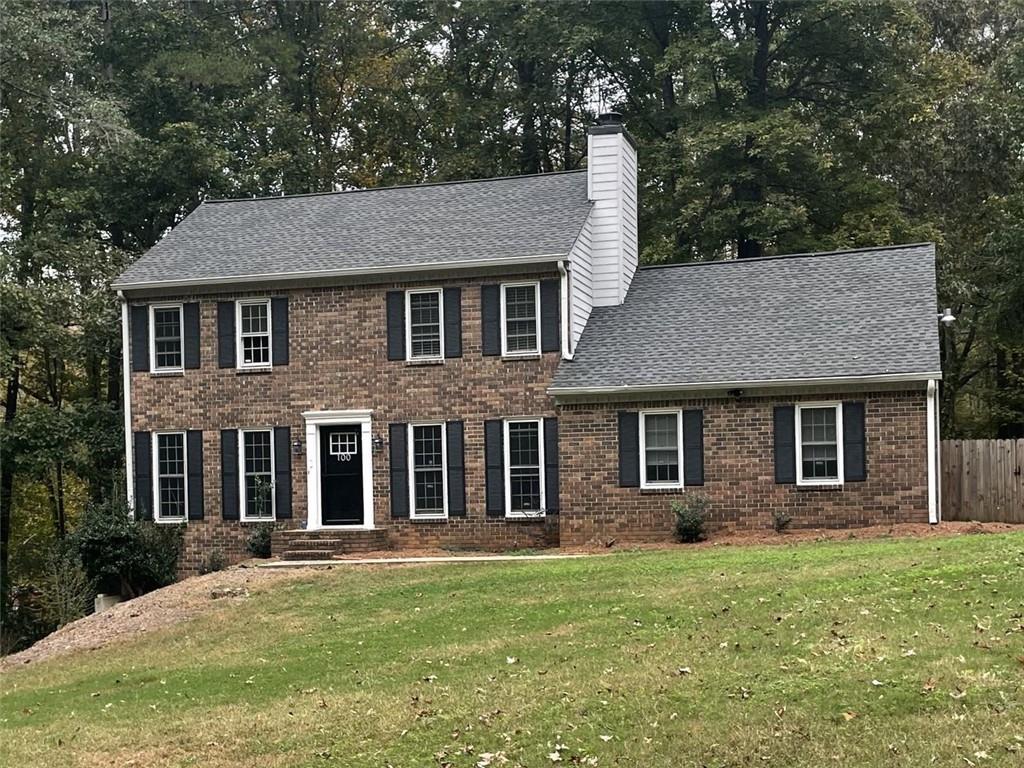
[{"x": 314, "y": 421}]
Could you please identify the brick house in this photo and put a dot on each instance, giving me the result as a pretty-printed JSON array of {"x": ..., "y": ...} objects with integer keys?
[{"x": 481, "y": 364}]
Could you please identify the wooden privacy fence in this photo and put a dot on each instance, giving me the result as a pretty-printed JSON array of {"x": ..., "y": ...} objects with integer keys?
[{"x": 983, "y": 480}]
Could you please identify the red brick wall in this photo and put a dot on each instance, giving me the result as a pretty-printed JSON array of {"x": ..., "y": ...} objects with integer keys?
[
  {"x": 739, "y": 471},
  {"x": 338, "y": 361}
]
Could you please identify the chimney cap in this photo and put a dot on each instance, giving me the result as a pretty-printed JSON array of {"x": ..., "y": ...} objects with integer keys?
[{"x": 609, "y": 118}]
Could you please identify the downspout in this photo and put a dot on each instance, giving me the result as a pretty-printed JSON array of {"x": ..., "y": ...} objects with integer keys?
[
  {"x": 563, "y": 309},
  {"x": 934, "y": 514},
  {"x": 126, "y": 378}
]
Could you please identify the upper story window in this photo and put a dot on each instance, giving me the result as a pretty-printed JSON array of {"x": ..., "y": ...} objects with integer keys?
[
  {"x": 819, "y": 429},
  {"x": 520, "y": 318},
  {"x": 524, "y": 460},
  {"x": 428, "y": 465},
  {"x": 165, "y": 343},
  {"x": 169, "y": 504},
  {"x": 424, "y": 327},
  {"x": 253, "y": 342},
  {"x": 257, "y": 448},
  {"x": 661, "y": 455}
]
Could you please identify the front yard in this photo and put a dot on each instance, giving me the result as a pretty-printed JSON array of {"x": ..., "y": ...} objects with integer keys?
[{"x": 877, "y": 653}]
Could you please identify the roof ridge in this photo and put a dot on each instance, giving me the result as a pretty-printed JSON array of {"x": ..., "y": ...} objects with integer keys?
[
  {"x": 452, "y": 182},
  {"x": 808, "y": 254}
]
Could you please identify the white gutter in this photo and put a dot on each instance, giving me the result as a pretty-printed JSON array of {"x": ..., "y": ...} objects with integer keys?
[
  {"x": 396, "y": 269},
  {"x": 885, "y": 378},
  {"x": 126, "y": 377},
  {"x": 934, "y": 513},
  {"x": 563, "y": 309}
]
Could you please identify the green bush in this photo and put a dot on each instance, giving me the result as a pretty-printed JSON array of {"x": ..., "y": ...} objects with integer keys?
[
  {"x": 258, "y": 543},
  {"x": 126, "y": 557},
  {"x": 213, "y": 562},
  {"x": 66, "y": 590},
  {"x": 780, "y": 520},
  {"x": 691, "y": 518}
]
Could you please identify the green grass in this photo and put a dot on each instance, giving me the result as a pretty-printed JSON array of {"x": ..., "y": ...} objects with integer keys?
[{"x": 880, "y": 653}]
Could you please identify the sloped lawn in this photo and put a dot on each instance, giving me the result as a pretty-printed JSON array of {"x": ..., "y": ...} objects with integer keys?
[{"x": 883, "y": 653}]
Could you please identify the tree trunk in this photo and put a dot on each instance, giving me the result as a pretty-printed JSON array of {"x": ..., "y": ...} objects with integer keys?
[
  {"x": 7, "y": 466},
  {"x": 529, "y": 156},
  {"x": 751, "y": 192}
]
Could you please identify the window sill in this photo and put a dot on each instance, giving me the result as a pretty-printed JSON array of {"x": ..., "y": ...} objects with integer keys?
[
  {"x": 255, "y": 371},
  {"x": 523, "y": 518},
  {"x": 257, "y": 520},
  {"x": 662, "y": 490},
  {"x": 836, "y": 486},
  {"x": 430, "y": 361},
  {"x": 172, "y": 521},
  {"x": 528, "y": 356},
  {"x": 166, "y": 374},
  {"x": 428, "y": 519}
]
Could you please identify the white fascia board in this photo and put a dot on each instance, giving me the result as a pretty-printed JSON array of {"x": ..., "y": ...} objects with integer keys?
[
  {"x": 396, "y": 269},
  {"x": 710, "y": 385}
]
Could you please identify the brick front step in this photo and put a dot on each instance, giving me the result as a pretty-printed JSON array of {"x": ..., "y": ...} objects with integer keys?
[{"x": 323, "y": 545}]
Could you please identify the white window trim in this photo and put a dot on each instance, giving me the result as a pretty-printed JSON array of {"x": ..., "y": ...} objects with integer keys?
[
  {"x": 156, "y": 477},
  {"x": 243, "y": 506},
  {"x": 800, "y": 479},
  {"x": 678, "y": 413},
  {"x": 408, "y": 324},
  {"x": 239, "y": 351},
  {"x": 411, "y": 450},
  {"x": 152, "y": 337},
  {"x": 518, "y": 515},
  {"x": 536, "y": 319}
]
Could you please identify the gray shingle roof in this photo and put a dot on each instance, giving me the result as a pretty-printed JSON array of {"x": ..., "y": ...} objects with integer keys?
[
  {"x": 375, "y": 229},
  {"x": 868, "y": 312}
]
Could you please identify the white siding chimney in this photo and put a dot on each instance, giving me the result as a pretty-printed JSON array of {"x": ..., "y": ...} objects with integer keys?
[{"x": 611, "y": 184}]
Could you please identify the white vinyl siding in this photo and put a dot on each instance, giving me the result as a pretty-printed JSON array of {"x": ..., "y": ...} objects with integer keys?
[
  {"x": 661, "y": 449},
  {"x": 581, "y": 279},
  {"x": 170, "y": 477},
  {"x": 819, "y": 444},
  {"x": 166, "y": 335},
  {"x": 256, "y": 460},
  {"x": 428, "y": 467},
  {"x": 252, "y": 323},
  {"x": 611, "y": 168},
  {"x": 524, "y": 468}
]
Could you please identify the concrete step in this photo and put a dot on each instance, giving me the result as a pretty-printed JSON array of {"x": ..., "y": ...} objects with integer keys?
[{"x": 299, "y": 544}]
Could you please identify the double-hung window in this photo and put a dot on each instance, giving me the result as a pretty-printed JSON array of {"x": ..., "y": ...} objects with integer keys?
[
  {"x": 424, "y": 311},
  {"x": 661, "y": 449},
  {"x": 170, "y": 491},
  {"x": 427, "y": 465},
  {"x": 165, "y": 337},
  {"x": 520, "y": 318},
  {"x": 524, "y": 463},
  {"x": 257, "y": 459},
  {"x": 819, "y": 444},
  {"x": 253, "y": 323}
]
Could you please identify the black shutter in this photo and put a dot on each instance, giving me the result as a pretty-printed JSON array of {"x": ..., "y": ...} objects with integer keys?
[
  {"x": 229, "y": 473},
  {"x": 190, "y": 329},
  {"x": 855, "y": 462},
  {"x": 453, "y": 322},
  {"x": 629, "y": 449},
  {"x": 494, "y": 463},
  {"x": 283, "y": 473},
  {"x": 551, "y": 491},
  {"x": 550, "y": 316},
  {"x": 140, "y": 337},
  {"x": 456, "y": 467},
  {"x": 194, "y": 451},
  {"x": 490, "y": 319},
  {"x": 226, "y": 334},
  {"x": 396, "y": 325},
  {"x": 143, "y": 442},
  {"x": 785, "y": 444},
  {"x": 399, "y": 459},
  {"x": 693, "y": 447},
  {"x": 279, "y": 330}
]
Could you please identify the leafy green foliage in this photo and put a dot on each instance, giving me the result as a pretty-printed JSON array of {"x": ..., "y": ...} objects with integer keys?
[
  {"x": 258, "y": 542},
  {"x": 691, "y": 517}
]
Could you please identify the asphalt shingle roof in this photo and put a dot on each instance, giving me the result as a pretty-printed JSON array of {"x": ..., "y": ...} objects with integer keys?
[
  {"x": 815, "y": 316},
  {"x": 375, "y": 229}
]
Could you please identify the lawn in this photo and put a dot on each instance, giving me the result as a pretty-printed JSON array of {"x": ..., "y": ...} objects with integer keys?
[{"x": 866, "y": 653}]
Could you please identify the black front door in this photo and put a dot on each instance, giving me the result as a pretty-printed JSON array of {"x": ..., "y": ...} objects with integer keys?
[{"x": 341, "y": 475}]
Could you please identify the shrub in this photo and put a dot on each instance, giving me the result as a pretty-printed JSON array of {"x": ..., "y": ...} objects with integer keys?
[
  {"x": 259, "y": 540},
  {"x": 66, "y": 590},
  {"x": 213, "y": 562},
  {"x": 691, "y": 518},
  {"x": 124, "y": 556},
  {"x": 780, "y": 520}
]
